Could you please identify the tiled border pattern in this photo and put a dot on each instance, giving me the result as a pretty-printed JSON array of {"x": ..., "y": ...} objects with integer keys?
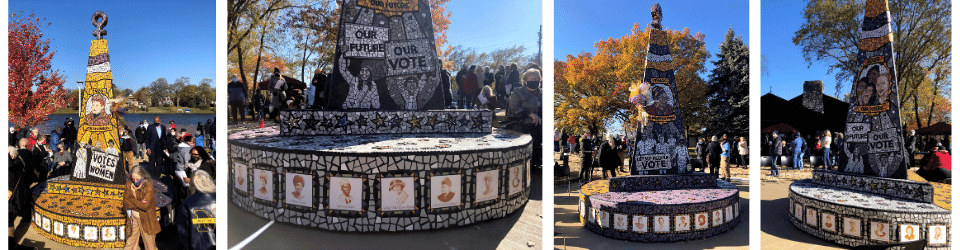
[
  {"x": 334, "y": 122},
  {"x": 865, "y": 217},
  {"x": 43, "y": 219},
  {"x": 420, "y": 164},
  {"x": 662, "y": 182},
  {"x": 900, "y": 188},
  {"x": 650, "y": 212}
]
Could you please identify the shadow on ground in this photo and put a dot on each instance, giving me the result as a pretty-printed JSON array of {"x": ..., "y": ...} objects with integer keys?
[{"x": 776, "y": 229}]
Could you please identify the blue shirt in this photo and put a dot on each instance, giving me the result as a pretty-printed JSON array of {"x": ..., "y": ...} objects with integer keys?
[
  {"x": 726, "y": 149},
  {"x": 798, "y": 145}
]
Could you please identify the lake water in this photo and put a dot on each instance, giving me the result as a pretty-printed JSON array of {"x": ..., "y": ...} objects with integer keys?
[{"x": 187, "y": 121}]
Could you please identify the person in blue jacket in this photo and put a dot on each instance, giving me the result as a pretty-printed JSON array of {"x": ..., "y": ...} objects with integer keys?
[{"x": 799, "y": 146}]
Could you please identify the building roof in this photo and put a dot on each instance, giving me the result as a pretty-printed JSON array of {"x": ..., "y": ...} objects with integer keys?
[{"x": 775, "y": 110}]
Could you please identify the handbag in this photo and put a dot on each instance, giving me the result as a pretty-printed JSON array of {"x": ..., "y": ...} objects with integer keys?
[{"x": 128, "y": 229}]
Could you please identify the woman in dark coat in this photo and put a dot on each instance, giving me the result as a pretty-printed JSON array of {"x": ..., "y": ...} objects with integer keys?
[
  {"x": 713, "y": 152},
  {"x": 18, "y": 196},
  {"x": 609, "y": 159}
]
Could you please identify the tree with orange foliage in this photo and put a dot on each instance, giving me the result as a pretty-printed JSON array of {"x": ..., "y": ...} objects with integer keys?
[
  {"x": 592, "y": 91},
  {"x": 35, "y": 89},
  {"x": 441, "y": 22}
]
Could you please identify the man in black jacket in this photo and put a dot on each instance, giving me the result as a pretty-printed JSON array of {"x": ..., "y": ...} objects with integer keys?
[
  {"x": 26, "y": 156},
  {"x": 40, "y": 157},
  {"x": 195, "y": 218},
  {"x": 513, "y": 78},
  {"x": 776, "y": 147},
  {"x": 911, "y": 146},
  {"x": 155, "y": 135},
  {"x": 237, "y": 96},
  {"x": 211, "y": 131},
  {"x": 713, "y": 152},
  {"x": 445, "y": 87},
  {"x": 141, "y": 136},
  {"x": 318, "y": 82},
  {"x": 69, "y": 135}
]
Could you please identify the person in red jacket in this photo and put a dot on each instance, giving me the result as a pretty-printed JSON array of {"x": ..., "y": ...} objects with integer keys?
[
  {"x": 472, "y": 87},
  {"x": 937, "y": 168}
]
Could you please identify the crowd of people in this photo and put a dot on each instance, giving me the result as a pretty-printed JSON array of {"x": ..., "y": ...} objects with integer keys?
[
  {"x": 146, "y": 153},
  {"x": 609, "y": 151},
  {"x": 722, "y": 153},
  {"x": 518, "y": 92},
  {"x": 476, "y": 87},
  {"x": 828, "y": 148},
  {"x": 823, "y": 144},
  {"x": 719, "y": 154}
]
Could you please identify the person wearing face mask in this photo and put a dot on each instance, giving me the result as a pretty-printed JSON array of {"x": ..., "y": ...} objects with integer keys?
[
  {"x": 235, "y": 90},
  {"x": 195, "y": 232},
  {"x": 181, "y": 160},
  {"x": 156, "y": 133},
  {"x": 525, "y": 103},
  {"x": 141, "y": 207}
]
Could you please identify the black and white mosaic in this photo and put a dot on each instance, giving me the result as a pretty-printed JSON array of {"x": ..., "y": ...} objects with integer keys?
[
  {"x": 661, "y": 216},
  {"x": 660, "y": 146},
  {"x": 368, "y": 183},
  {"x": 900, "y": 188},
  {"x": 662, "y": 182},
  {"x": 874, "y": 134},
  {"x": 386, "y": 57},
  {"x": 335, "y": 122},
  {"x": 853, "y": 218}
]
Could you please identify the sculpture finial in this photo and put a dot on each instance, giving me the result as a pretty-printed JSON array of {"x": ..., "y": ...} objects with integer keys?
[
  {"x": 657, "y": 14},
  {"x": 99, "y": 20}
]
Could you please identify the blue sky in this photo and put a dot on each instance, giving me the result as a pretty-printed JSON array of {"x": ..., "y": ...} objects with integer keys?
[
  {"x": 495, "y": 24},
  {"x": 148, "y": 40},
  {"x": 579, "y": 24},
  {"x": 787, "y": 68}
]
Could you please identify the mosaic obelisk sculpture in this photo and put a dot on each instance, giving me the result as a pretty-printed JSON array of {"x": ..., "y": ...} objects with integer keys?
[
  {"x": 386, "y": 57},
  {"x": 874, "y": 136},
  {"x": 661, "y": 141},
  {"x": 98, "y": 134}
]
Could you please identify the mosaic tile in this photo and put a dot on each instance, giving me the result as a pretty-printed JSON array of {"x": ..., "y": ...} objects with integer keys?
[
  {"x": 874, "y": 134},
  {"x": 660, "y": 146},
  {"x": 862, "y": 217},
  {"x": 660, "y": 215},
  {"x": 374, "y": 170}
]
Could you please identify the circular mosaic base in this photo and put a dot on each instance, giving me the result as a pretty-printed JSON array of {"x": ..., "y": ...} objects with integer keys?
[
  {"x": 660, "y": 215},
  {"x": 81, "y": 221},
  {"x": 85, "y": 214},
  {"x": 367, "y": 183},
  {"x": 852, "y": 218}
]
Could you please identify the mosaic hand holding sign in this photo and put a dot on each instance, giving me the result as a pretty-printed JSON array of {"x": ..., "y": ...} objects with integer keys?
[
  {"x": 876, "y": 147},
  {"x": 386, "y": 57}
]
